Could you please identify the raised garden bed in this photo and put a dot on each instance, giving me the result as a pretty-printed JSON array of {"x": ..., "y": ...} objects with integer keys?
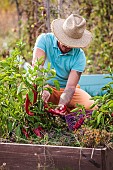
[
  {"x": 42, "y": 157},
  {"x": 14, "y": 156}
]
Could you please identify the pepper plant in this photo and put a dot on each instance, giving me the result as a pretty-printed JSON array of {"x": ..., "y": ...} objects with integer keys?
[
  {"x": 11, "y": 105},
  {"x": 37, "y": 119},
  {"x": 15, "y": 85},
  {"x": 97, "y": 130},
  {"x": 103, "y": 114}
]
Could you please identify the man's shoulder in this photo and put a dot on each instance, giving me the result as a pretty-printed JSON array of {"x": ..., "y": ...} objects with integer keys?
[{"x": 47, "y": 35}]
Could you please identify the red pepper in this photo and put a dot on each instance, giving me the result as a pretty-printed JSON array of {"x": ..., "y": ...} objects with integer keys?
[
  {"x": 25, "y": 132},
  {"x": 46, "y": 107},
  {"x": 56, "y": 111},
  {"x": 37, "y": 131},
  {"x": 27, "y": 104},
  {"x": 111, "y": 114},
  {"x": 79, "y": 123}
]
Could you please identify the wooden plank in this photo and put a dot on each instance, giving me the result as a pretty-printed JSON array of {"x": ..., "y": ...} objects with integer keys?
[
  {"x": 109, "y": 159},
  {"x": 42, "y": 157},
  {"x": 103, "y": 159}
]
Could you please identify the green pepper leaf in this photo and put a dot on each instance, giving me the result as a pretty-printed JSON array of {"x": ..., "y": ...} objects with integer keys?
[
  {"x": 99, "y": 118},
  {"x": 19, "y": 88},
  {"x": 31, "y": 96}
]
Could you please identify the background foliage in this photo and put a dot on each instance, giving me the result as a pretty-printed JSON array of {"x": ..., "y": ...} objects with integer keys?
[{"x": 27, "y": 19}]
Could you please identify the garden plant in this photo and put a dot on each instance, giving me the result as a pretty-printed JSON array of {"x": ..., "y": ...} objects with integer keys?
[{"x": 24, "y": 117}]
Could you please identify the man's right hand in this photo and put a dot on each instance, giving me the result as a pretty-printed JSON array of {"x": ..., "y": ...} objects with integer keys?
[{"x": 60, "y": 110}]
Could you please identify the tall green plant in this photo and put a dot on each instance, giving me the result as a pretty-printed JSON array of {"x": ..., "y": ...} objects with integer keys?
[
  {"x": 15, "y": 83},
  {"x": 11, "y": 104}
]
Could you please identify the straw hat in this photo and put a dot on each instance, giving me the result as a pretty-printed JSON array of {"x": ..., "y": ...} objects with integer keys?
[{"x": 72, "y": 31}]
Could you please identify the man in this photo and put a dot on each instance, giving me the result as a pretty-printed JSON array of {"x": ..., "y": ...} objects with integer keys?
[{"x": 62, "y": 48}]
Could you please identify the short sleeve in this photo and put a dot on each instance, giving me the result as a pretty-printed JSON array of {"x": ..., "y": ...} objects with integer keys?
[
  {"x": 41, "y": 42},
  {"x": 80, "y": 62}
]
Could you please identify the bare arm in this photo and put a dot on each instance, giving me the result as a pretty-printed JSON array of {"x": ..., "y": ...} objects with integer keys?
[
  {"x": 37, "y": 53},
  {"x": 68, "y": 93}
]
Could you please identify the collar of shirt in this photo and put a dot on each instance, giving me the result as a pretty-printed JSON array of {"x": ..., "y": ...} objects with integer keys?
[{"x": 55, "y": 45}]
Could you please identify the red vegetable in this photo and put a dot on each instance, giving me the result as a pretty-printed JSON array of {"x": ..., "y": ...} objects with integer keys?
[
  {"x": 79, "y": 123},
  {"x": 46, "y": 107},
  {"x": 37, "y": 131},
  {"x": 28, "y": 103},
  {"x": 57, "y": 111},
  {"x": 25, "y": 132}
]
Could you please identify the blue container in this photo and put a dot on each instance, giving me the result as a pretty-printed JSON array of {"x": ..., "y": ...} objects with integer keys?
[{"x": 93, "y": 83}]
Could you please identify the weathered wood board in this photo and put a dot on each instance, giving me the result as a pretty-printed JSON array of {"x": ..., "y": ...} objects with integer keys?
[{"x": 43, "y": 157}]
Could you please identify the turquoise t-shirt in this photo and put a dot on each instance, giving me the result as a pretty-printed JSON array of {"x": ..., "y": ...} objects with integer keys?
[{"x": 62, "y": 63}]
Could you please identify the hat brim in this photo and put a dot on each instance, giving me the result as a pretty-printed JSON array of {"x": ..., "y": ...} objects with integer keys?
[{"x": 57, "y": 29}]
